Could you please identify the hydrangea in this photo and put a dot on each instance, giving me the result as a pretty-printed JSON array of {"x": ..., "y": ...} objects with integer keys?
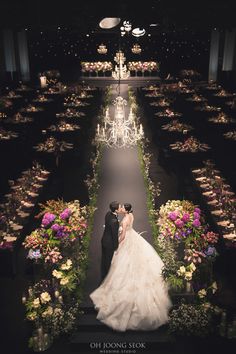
[
  {"x": 48, "y": 218},
  {"x": 65, "y": 214}
]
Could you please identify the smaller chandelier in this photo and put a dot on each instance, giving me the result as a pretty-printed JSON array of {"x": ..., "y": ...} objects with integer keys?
[
  {"x": 136, "y": 49},
  {"x": 102, "y": 49}
]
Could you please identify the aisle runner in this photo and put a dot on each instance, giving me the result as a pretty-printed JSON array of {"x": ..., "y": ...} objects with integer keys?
[{"x": 122, "y": 180}]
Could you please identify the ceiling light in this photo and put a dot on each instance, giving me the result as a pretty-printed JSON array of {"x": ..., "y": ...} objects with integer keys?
[
  {"x": 137, "y": 32},
  {"x": 153, "y": 25},
  {"x": 109, "y": 22}
]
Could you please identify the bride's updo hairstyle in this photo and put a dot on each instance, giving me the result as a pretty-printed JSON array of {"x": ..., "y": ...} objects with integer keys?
[{"x": 128, "y": 207}]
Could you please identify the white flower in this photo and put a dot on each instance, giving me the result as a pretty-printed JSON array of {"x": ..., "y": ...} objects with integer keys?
[
  {"x": 57, "y": 311},
  {"x": 32, "y": 316},
  {"x": 181, "y": 270},
  {"x": 188, "y": 276},
  {"x": 36, "y": 303},
  {"x": 45, "y": 297},
  {"x": 192, "y": 267},
  {"x": 202, "y": 293},
  {"x": 57, "y": 274},
  {"x": 64, "y": 281},
  {"x": 48, "y": 312},
  {"x": 214, "y": 287}
]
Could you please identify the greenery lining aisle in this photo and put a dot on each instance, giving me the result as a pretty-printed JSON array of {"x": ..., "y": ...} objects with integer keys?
[{"x": 59, "y": 248}]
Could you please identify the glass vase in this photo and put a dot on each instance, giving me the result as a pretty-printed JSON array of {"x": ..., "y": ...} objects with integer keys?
[{"x": 41, "y": 340}]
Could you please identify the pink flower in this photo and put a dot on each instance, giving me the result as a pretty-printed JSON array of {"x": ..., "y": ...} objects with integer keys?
[
  {"x": 196, "y": 215},
  {"x": 179, "y": 223},
  {"x": 196, "y": 223},
  {"x": 172, "y": 216},
  {"x": 185, "y": 217}
]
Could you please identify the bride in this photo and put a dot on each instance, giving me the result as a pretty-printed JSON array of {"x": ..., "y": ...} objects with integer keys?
[{"x": 133, "y": 296}]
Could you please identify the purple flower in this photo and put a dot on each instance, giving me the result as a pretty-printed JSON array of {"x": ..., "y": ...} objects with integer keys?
[
  {"x": 210, "y": 251},
  {"x": 197, "y": 210},
  {"x": 196, "y": 223},
  {"x": 185, "y": 217},
  {"x": 196, "y": 215},
  {"x": 56, "y": 227},
  {"x": 48, "y": 219},
  {"x": 65, "y": 214},
  {"x": 179, "y": 223},
  {"x": 172, "y": 216}
]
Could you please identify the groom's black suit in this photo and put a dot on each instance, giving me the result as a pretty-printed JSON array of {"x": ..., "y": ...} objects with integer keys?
[{"x": 109, "y": 241}]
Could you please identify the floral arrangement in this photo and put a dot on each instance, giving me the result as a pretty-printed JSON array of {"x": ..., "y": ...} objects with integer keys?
[
  {"x": 70, "y": 113},
  {"x": 154, "y": 93},
  {"x": 5, "y": 103},
  {"x": 230, "y": 135},
  {"x": 12, "y": 95},
  {"x": 189, "y": 145},
  {"x": 223, "y": 93},
  {"x": 143, "y": 66},
  {"x": 31, "y": 108},
  {"x": 194, "y": 320},
  {"x": 177, "y": 126},
  {"x": 221, "y": 118},
  {"x": 161, "y": 103},
  {"x": 58, "y": 231},
  {"x": 52, "y": 145},
  {"x": 96, "y": 66},
  {"x": 7, "y": 134},
  {"x": 42, "y": 99},
  {"x": 208, "y": 108},
  {"x": 18, "y": 118},
  {"x": 63, "y": 126},
  {"x": 73, "y": 100},
  {"x": 168, "y": 113},
  {"x": 196, "y": 98},
  {"x": 182, "y": 224}
]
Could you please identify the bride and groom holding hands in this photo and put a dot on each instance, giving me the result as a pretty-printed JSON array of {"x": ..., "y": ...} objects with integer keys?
[{"x": 133, "y": 294}]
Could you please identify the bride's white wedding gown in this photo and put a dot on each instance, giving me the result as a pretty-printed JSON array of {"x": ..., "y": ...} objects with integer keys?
[{"x": 133, "y": 295}]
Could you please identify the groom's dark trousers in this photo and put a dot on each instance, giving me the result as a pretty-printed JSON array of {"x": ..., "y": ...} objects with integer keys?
[{"x": 109, "y": 242}]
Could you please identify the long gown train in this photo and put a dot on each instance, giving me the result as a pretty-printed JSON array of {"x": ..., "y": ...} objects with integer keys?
[{"x": 133, "y": 295}]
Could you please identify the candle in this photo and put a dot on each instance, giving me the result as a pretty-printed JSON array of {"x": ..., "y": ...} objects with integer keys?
[
  {"x": 23, "y": 299},
  {"x": 43, "y": 81},
  {"x": 98, "y": 129},
  {"x": 103, "y": 132}
]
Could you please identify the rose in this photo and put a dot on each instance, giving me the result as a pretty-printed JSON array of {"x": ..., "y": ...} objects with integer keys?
[
  {"x": 181, "y": 270},
  {"x": 48, "y": 312},
  {"x": 67, "y": 265},
  {"x": 36, "y": 303},
  {"x": 188, "y": 275},
  {"x": 172, "y": 216},
  {"x": 45, "y": 297},
  {"x": 64, "y": 281},
  {"x": 197, "y": 210},
  {"x": 196, "y": 215},
  {"x": 202, "y": 293},
  {"x": 179, "y": 223},
  {"x": 32, "y": 316},
  {"x": 196, "y": 223},
  {"x": 57, "y": 274},
  {"x": 192, "y": 267},
  {"x": 185, "y": 217}
]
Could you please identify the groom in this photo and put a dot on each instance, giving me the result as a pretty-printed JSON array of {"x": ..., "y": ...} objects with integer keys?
[{"x": 110, "y": 237}]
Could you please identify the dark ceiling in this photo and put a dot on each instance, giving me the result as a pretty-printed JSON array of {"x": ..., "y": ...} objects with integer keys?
[{"x": 85, "y": 15}]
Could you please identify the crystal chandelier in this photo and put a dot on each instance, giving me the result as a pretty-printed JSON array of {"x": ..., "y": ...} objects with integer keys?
[
  {"x": 102, "y": 49},
  {"x": 136, "y": 49},
  {"x": 120, "y": 131},
  {"x": 121, "y": 71}
]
